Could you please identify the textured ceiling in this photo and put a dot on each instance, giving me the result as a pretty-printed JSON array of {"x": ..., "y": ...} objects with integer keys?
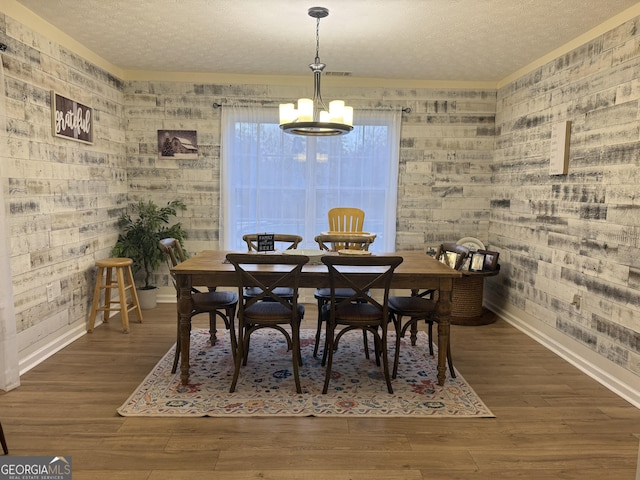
[{"x": 441, "y": 40}]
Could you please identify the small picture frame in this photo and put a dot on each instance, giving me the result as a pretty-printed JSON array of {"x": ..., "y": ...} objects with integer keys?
[
  {"x": 490, "y": 260},
  {"x": 450, "y": 259},
  {"x": 477, "y": 262}
]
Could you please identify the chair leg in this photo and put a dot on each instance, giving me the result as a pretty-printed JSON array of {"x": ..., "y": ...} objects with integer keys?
[
  {"x": 231, "y": 318},
  {"x": 365, "y": 342},
  {"x": 385, "y": 360},
  {"x": 319, "y": 329},
  {"x": 212, "y": 328},
  {"x": 328, "y": 355},
  {"x": 397, "y": 324},
  {"x": 176, "y": 357},
  {"x": 296, "y": 358},
  {"x": 450, "y": 360},
  {"x": 240, "y": 355},
  {"x": 5, "y": 449}
]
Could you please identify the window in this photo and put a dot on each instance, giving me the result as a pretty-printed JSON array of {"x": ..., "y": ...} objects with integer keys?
[{"x": 279, "y": 183}]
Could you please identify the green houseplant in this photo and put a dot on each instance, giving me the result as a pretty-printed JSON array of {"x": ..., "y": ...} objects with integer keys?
[{"x": 141, "y": 232}]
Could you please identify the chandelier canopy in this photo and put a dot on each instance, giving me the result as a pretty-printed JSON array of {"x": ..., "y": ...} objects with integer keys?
[{"x": 312, "y": 117}]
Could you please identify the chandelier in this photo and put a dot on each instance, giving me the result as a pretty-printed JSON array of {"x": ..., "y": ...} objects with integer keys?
[{"x": 312, "y": 117}]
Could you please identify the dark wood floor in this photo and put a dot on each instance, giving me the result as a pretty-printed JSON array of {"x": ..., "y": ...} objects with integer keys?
[{"x": 552, "y": 422}]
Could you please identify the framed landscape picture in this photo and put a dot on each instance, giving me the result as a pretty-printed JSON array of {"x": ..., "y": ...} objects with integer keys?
[{"x": 178, "y": 144}]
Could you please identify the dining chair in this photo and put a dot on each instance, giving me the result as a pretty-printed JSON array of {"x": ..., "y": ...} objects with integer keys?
[
  {"x": 215, "y": 303},
  {"x": 422, "y": 306},
  {"x": 416, "y": 308},
  {"x": 282, "y": 240},
  {"x": 3, "y": 441},
  {"x": 360, "y": 311},
  {"x": 331, "y": 242},
  {"x": 346, "y": 219},
  {"x": 254, "y": 314}
]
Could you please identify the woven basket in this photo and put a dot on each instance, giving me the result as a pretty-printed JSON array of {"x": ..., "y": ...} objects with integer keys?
[{"x": 467, "y": 296}]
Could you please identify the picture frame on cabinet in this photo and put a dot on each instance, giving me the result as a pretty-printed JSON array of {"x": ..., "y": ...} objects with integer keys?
[
  {"x": 477, "y": 262},
  {"x": 490, "y": 260}
]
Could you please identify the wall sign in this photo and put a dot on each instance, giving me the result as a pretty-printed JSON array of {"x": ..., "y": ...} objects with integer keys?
[
  {"x": 266, "y": 242},
  {"x": 70, "y": 119},
  {"x": 559, "y": 155}
]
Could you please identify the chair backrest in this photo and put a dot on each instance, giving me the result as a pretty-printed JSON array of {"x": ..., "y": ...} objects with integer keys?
[
  {"x": 452, "y": 254},
  {"x": 173, "y": 250},
  {"x": 337, "y": 241},
  {"x": 283, "y": 271},
  {"x": 289, "y": 242},
  {"x": 346, "y": 219},
  {"x": 361, "y": 274}
]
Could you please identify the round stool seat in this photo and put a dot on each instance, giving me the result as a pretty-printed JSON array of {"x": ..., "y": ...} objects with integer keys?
[
  {"x": 114, "y": 262},
  {"x": 115, "y": 274}
]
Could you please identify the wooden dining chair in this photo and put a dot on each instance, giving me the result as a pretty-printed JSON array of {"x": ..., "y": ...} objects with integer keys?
[
  {"x": 421, "y": 306},
  {"x": 283, "y": 241},
  {"x": 346, "y": 219},
  {"x": 254, "y": 314},
  {"x": 417, "y": 309},
  {"x": 215, "y": 303},
  {"x": 360, "y": 311},
  {"x": 331, "y": 242}
]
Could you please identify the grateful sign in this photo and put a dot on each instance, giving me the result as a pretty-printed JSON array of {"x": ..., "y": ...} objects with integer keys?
[{"x": 71, "y": 119}]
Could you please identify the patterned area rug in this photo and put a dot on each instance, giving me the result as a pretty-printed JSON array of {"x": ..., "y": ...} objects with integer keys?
[{"x": 266, "y": 386}]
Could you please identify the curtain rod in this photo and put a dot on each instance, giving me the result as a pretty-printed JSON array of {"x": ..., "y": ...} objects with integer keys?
[{"x": 220, "y": 105}]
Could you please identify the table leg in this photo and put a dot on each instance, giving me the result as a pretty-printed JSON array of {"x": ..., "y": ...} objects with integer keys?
[
  {"x": 185, "y": 307},
  {"x": 443, "y": 312}
]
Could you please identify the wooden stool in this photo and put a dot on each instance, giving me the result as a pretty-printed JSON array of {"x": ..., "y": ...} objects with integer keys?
[
  {"x": 5, "y": 449},
  {"x": 122, "y": 267}
]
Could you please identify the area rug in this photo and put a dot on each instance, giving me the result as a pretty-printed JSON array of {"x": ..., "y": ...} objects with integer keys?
[{"x": 266, "y": 386}]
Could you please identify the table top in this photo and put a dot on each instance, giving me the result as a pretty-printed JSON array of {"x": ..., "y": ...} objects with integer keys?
[{"x": 418, "y": 270}]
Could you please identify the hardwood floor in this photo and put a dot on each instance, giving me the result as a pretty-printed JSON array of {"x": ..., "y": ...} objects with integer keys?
[{"x": 551, "y": 420}]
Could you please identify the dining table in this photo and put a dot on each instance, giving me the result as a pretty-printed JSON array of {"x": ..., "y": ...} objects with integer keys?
[{"x": 210, "y": 268}]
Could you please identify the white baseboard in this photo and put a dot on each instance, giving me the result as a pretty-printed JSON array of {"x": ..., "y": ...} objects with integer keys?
[
  {"x": 617, "y": 379},
  {"x": 43, "y": 352}
]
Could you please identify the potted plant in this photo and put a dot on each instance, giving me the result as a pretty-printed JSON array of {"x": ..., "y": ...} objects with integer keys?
[{"x": 139, "y": 238}]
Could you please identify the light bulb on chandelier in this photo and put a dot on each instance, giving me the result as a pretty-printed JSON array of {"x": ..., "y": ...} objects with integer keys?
[{"x": 312, "y": 117}]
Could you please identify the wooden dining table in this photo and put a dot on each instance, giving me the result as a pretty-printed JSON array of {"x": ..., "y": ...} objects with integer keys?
[{"x": 209, "y": 268}]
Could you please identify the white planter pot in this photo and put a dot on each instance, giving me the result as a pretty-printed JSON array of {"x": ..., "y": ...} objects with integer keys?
[{"x": 148, "y": 298}]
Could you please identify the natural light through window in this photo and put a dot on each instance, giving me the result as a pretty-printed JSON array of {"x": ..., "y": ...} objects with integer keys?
[{"x": 279, "y": 183}]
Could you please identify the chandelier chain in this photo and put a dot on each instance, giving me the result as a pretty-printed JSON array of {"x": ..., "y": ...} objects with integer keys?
[{"x": 318, "y": 40}]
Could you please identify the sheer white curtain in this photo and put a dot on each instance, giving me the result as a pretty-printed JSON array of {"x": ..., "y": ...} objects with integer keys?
[
  {"x": 9, "y": 368},
  {"x": 275, "y": 182}
]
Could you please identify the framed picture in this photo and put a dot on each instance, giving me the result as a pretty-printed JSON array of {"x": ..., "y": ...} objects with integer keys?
[
  {"x": 477, "y": 262},
  {"x": 71, "y": 119},
  {"x": 450, "y": 259},
  {"x": 490, "y": 260},
  {"x": 178, "y": 144},
  {"x": 467, "y": 263}
]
